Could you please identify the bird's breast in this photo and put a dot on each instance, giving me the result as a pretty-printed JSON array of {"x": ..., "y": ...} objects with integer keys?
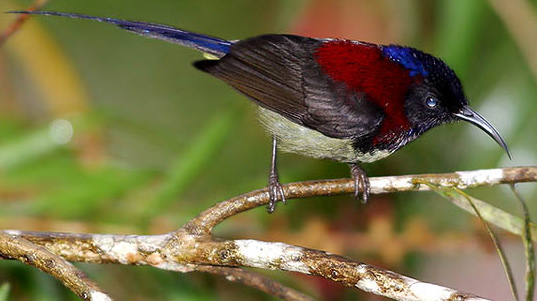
[{"x": 295, "y": 138}]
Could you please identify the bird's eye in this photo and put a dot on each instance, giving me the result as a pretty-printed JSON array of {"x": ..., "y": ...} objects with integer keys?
[{"x": 431, "y": 102}]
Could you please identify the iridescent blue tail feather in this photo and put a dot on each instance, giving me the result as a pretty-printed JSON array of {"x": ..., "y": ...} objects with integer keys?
[{"x": 207, "y": 44}]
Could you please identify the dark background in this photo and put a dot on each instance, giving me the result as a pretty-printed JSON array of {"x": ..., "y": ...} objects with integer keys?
[{"x": 155, "y": 141}]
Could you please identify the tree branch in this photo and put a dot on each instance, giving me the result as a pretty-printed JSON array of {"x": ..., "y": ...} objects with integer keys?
[
  {"x": 187, "y": 253},
  {"x": 13, "y": 246},
  {"x": 255, "y": 280},
  {"x": 193, "y": 248},
  {"x": 207, "y": 220},
  {"x": 19, "y": 21}
]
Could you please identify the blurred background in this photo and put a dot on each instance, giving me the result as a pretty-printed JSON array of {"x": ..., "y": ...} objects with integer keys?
[{"x": 103, "y": 131}]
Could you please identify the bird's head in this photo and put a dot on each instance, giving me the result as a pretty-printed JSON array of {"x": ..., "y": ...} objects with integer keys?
[{"x": 436, "y": 95}]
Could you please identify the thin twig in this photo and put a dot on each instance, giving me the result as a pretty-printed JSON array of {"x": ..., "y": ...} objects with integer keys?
[
  {"x": 19, "y": 21},
  {"x": 255, "y": 280}
]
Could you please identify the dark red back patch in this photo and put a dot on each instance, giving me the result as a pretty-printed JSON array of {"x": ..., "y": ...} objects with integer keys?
[{"x": 364, "y": 69}]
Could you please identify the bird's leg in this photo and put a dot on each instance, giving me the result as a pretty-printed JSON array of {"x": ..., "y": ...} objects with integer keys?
[
  {"x": 274, "y": 187},
  {"x": 361, "y": 182}
]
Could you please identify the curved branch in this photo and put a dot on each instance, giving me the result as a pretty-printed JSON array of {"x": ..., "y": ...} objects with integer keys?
[
  {"x": 13, "y": 246},
  {"x": 207, "y": 220}
]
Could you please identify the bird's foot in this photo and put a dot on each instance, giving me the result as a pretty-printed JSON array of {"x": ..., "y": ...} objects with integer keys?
[
  {"x": 275, "y": 192},
  {"x": 361, "y": 183}
]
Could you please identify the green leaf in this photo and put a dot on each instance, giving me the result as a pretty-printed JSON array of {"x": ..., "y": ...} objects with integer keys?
[
  {"x": 451, "y": 193},
  {"x": 529, "y": 251},
  {"x": 4, "y": 291},
  {"x": 491, "y": 214}
]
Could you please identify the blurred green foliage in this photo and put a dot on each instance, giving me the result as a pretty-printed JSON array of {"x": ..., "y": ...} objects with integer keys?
[{"x": 155, "y": 142}]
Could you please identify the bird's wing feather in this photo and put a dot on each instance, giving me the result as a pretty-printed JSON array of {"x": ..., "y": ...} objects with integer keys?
[{"x": 279, "y": 72}]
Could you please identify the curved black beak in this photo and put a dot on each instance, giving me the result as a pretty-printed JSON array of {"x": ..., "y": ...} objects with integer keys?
[{"x": 467, "y": 114}]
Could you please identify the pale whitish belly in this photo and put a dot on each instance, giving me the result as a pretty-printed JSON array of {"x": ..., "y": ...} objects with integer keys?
[{"x": 307, "y": 142}]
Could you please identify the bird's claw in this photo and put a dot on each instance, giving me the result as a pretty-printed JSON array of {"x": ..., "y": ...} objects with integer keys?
[
  {"x": 276, "y": 192},
  {"x": 361, "y": 183}
]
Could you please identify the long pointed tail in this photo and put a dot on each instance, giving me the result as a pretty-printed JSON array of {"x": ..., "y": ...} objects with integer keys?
[{"x": 207, "y": 44}]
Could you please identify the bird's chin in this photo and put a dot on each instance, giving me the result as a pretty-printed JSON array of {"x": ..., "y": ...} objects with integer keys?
[{"x": 397, "y": 139}]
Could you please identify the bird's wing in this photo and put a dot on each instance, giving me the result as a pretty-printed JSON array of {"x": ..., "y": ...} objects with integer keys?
[{"x": 279, "y": 72}]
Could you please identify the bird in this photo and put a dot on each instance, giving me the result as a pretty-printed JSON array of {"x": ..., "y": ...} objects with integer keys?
[{"x": 328, "y": 98}]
